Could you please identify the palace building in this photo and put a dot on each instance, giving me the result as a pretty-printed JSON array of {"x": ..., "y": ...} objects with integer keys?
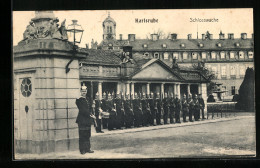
[
  {"x": 226, "y": 57},
  {"x": 45, "y": 89}
]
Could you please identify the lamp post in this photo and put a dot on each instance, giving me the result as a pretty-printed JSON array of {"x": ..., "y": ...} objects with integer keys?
[{"x": 75, "y": 33}]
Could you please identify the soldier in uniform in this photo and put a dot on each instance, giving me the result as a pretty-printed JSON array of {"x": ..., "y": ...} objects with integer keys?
[
  {"x": 146, "y": 110},
  {"x": 98, "y": 111},
  {"x": 177, "y": 109},
  {"x": 129, "y": 113},
  {"x": 171, "y": 108},
  {"x": 151, "y": 102},
  {"x": 137, "y": 111},
  {"x": 112, "y": 112},
  {"x": 84, "y": 120},
  {"x": 120, "y": 111},
  {"x": 104, "y": 108},
  {"x": 196, "y": 108},
  {"x": 185, "y": 108},
  {"x": 159, "y": 110},
  {"x": 165, "y": 108},
  {"x": 191, "y": 107},
  {"x": 202, "y": 106}
]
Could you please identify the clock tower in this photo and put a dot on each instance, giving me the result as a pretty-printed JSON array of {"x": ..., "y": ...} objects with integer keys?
[{"x": 109, "y": 28}]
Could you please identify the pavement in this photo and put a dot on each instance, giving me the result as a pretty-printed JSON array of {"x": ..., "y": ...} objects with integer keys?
[{"x": 230, "y": 136}]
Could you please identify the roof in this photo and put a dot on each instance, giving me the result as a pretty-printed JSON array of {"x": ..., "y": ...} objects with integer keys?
[
  {"x": 101, "y": 56},
  {"x": 109, "y": 19},
  {"x": 192, "y": 44},
  {"x": 114, "y": 42}
]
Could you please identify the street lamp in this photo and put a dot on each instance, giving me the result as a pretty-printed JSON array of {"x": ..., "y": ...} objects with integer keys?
[{"x": 74, "y": 32}]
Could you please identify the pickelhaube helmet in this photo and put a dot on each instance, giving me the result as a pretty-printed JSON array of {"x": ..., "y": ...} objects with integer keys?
[
  {"x": 184, "y": 96},
  {"x": 97, "y": 95},
  {"x": 165, "y": 95},
  {"x": 136, "y": 95},
  {"x": 151, "y": 94},
  {"x": 195, "y": 95},
  {"x": 158, "y": 95},
  {"x": 109, "y": 95},
  {"x": 190, "y": 96}
]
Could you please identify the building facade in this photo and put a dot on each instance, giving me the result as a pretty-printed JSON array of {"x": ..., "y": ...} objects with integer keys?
[{"x": 227, "y": 57}]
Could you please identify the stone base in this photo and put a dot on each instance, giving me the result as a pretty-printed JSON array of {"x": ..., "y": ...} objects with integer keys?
[{"x": 38, "y": 147}]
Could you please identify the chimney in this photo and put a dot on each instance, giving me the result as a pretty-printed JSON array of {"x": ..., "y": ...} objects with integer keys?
[
  {"x": 121, "y": 36},
  {"x": 131, "y": 37},
  {"x": 189, "y": 36},
  {"x": 231, "y": 36},
  {"x": 203, "y": 37},
  {"x": 210, "y": 36},
  {"x": 174, "y": 36},
  {"x": 154, "y": 37},
  {"x": 243, "y": 36},
  {"x": 221, "y": 36}
]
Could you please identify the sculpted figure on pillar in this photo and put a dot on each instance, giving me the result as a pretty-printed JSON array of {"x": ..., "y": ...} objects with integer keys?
[{"x": 30, "y": 32}]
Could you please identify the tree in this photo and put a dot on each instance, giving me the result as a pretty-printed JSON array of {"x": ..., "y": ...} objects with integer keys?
[
  {"x": 161, "y": 34},
  {"x": 246, "y": 97}
]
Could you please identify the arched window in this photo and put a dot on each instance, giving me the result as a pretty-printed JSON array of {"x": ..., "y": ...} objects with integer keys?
[
  {"x": 176, "y": 55},
  {"x": 166, "y": 56},
  {"x": 107, "y": 29},
  {"x": 194, "y": 55},
  {"x": 232, "y": 54},
  {"x": 250, "y": 54},
  {"x": 110, "y": 29},
  {"x": 146, "y": 54}
]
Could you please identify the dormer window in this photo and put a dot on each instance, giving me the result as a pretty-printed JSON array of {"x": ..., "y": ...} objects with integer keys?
[
  {"x": 222, "y": 55},
  {"x": 219, "y": 45},
  {"x": 250, "y": 54},
  {"x": 201, "y": 45},
  {"x": 182, "y": 45},
  {"x": 194, "y": 55},
  {"x": 145, "y": 46},
  {"x": 146, "y": 54},
  {"x": 156, "y": 55},
  {"x": 110, "y": 45},
  {"x": 164, "y": 46},
  {"x": 237, "y": 44},
  {"x": 213, "y": 55}
]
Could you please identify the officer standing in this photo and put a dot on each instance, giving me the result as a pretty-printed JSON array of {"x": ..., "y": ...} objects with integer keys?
[
  {"x": 84, "y": 120},
  {"x": 202, "y": 106},
  {"x": 146, "y": 110},
  {"x": 196, "y": 108},
  {"x": 98, "y": 111},
  {"x": 129, "y": 114},
  {"x": 119, "y": 116},
  {"x": 165, "y": 108},
  {"x": 191, "y": 107},
  {"x": 171, "y": 108},
  {"x": 151, "y": 102},
  {"x": 104, "y": 108},
  {"x": 137, "y": 111},
  {"x": 159, "y": 110},
  {"x": 177, "y": 109},
  {"x": 185, "y": 108},
  {"x": 112, "y": 112}
]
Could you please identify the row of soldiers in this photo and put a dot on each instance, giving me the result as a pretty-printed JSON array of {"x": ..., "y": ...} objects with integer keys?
[{"x": 145, "y": 110}]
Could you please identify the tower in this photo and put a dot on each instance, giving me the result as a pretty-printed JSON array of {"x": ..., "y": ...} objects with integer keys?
[{"x": 109, "y": 28}]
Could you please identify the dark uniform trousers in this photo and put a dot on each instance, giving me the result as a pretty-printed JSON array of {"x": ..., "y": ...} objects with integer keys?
[
  {"x": 190, "y": 107},
  {"x": 112, "y": 115},
  {"x": 120, "y": 114},
  {"x": 129, "y": 115},
  {"x": 146, "y": 112},
  {"x": 185, "y": 110},
  {"x": 84, "y": 124},
  {"x": 171, "y": 110},
  {"x": 166, "y": 111},
  {"x": 196, "y": 109},
  {"x": 177, "y": 110},
  {"x": 104, "y": 108},
  {"x": 138, "y": 116},
  {"x": 158, "y": 112},
  {"x": 152, "y": 114},
  {"x": 202, "y": 106},
  {"x": 98, "y": 120}
]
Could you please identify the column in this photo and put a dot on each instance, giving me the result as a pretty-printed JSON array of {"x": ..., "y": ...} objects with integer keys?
[
  {"x": 162, "y": 90},
  {"x": 100, "y": 90},
  {"x": 118, "y": 88},
  {"x": 178, "y": 90},
  {"x": 127, "y": 88},
  {"x": 132, "y": 89},
  {"x": 174, "y": 89},
  {"x": 199, "y": 89},
  {"x": 148, "y": 88},
  {"x": 188, "y": 89}
]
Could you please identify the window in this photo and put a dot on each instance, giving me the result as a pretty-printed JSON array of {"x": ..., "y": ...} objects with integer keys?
[
  {"x": 241, "y": 54},
  {"x": 110, "y": 29},
  {"x": 146, "y": 54},
  {"x": 156, "y": 55},
  {"x": 213, "y": 55},
  {"x": 232, "y": 70},
  {"x": 182, "y": 45},
  {"x": 194, "y": 55},
  {"x": 233, "y": 90},
  {"x": 223, "y": 71},
  {"x": 26, "y": 87},
  {"x": 185, "y": 55},
  {"x": 201, "y": 45},
  {"x": 242, "y": 70},
  {"x": 237, "y": 44},
  {"x": 107, "y": 29},
  {"x": 166, "y": 55},
  {"x": 204, "y": 55},
  {"x": 232, "y": 55},
  {"x": 219, "y": 45},
  {"x": 164, "y": 45},
  {"x": 214, "y": 69},
  {"x": 250, "y": 54},
  {"x": 222, "y": 55},
  {"x": 176, "y": 55},
  {"x": 145, "y": 45}
]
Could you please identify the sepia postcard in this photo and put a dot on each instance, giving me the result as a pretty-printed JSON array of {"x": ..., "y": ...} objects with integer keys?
[{"x": 133, "y": 84}]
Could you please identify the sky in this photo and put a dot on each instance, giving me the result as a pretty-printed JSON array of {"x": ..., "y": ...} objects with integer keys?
[{"x": 178, "y": 21}]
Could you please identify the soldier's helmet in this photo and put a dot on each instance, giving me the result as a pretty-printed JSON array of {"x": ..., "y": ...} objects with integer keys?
[
  {"x": 165, "y": 95},
  {"x": 157, "y": 95},
  {"x": 109, "y": 96},
  {"x": 184, "y": 96},
  {"x": 195, "y": 95},
  {"x": 97, "y": 95},
  {"x": 104, "y": 95},
  {"x": 151, "y": 94},
  {"x": 118, "y": 95},
  {"x": 177, "y": 96},
  {"x": 136, "y": 95},
  {"x": 144, "y": 95},
  {"x": 122, "y": 95},
  {"x": 190, "y": 96}
]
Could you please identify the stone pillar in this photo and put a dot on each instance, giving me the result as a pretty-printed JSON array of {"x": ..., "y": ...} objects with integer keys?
[
  {"x": 188, "y": 89},
  {"x": 178, "y": 90},
  {"x": 174, "y": 89},
  {"x": 118, "y": 88},
  {"x": 204, "y": 96},
  {"x": 127, "y": 88},
  {"x": 162, "y": 90},
  {"x": 132, "y": 88},
  {"x": 100, "y": 90},
  {"x": 199, "y": 88},
  {"x": 148, "y": 88}
]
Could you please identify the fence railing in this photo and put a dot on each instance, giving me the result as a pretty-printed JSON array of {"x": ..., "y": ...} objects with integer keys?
[{"x": 221, "y": 109}]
